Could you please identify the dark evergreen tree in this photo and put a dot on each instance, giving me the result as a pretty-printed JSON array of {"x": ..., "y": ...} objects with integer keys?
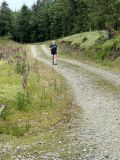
[
  {"x": 82, "y": 17},
  {"x": 34, "y": 25},
  {"x": 5, "y": 19},
  {"x": 43, "y": 22},
  {"x": 116, "y": 15},
  {"x": 68, "y": 17},
  {"x": 50, "y": 19},
  {"x": 24, "y": 24}
]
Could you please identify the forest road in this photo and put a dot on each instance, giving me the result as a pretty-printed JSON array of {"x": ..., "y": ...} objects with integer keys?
[{"x": 97, "y": 92}]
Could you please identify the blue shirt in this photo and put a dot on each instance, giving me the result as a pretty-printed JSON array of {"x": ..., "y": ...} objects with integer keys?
[{"x": 53, "y": 48}]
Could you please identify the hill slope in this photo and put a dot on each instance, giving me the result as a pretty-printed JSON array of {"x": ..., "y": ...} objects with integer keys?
[{"x": 93, "y": 46}]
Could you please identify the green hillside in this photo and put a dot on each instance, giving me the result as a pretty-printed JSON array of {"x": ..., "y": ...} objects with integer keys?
[
  {"x": 92, "y": 46},
  {"x": 85, "y": 39}
]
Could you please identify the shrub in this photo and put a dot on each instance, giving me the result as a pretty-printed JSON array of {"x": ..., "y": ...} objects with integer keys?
[
  {"x": 84, "y": 39},
  {"x": 21, "y": 101},
  {"x": 20, "y": 67},
  {"x": 102, "y": 39}
]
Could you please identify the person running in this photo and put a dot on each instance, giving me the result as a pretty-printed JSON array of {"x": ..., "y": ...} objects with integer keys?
[{"x": 53, "y": 48}]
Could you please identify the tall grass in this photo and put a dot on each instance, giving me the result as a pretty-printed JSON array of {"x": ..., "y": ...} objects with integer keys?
[
  {"x": 48, "y": 100},
  {"x": 14, "y": 129}
]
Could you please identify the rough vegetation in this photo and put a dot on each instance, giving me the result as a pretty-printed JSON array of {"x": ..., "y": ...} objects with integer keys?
[
  {"x": 35, "y": 97},
  {"x": 93, "y": 46}
]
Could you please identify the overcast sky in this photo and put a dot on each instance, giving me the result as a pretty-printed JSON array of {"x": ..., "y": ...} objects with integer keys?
[{"x": 17, "y": 4}]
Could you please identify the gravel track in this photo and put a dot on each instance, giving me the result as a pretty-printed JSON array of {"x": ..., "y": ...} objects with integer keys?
[{"x": 96, "y": 91}]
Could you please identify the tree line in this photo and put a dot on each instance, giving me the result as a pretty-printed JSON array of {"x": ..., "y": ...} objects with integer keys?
[{"x": 51, "y": 19}]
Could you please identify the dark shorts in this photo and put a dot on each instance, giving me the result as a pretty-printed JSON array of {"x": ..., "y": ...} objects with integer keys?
[{"x": 53, "y": 53}]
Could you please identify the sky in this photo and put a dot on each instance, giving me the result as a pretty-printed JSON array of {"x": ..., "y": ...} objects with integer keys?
[{"x": 17, "y": 4}]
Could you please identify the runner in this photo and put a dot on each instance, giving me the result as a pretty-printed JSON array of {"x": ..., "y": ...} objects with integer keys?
[{"x": 53, "y": 48}]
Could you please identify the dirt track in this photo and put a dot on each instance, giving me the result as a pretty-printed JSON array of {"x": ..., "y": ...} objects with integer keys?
[{"x": 97, "y": 92}]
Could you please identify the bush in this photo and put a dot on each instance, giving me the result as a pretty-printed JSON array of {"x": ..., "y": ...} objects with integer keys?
[
  {"x": 21, "y": 101},
  {"x": 20, "y": 68},
  {"x": 101, "y": 40},
  {"x": 84, "y": 39}
]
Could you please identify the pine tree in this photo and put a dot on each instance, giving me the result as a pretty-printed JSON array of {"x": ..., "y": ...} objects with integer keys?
[
  {"x": 50, "y": 19},
  {"x": 24, "y": 24},
  {"x": 82, "y": 17},
  {"x": 5, "y": 19},
  {"x": 68, "y": 17}
]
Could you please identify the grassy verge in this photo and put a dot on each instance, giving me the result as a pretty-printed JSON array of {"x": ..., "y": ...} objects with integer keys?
[
  {"x": 38, "y": 124},
  {"x": 86, "y": 39},
  {"x": 49, "y": 102},
  {"x": 92, "y": 47}
]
